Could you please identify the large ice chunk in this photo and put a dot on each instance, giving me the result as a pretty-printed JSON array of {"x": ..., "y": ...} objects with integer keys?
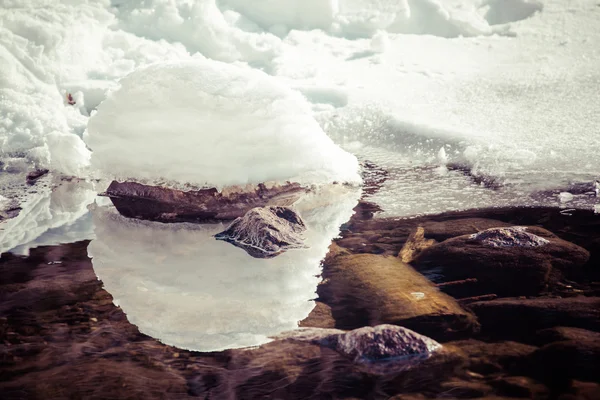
[{"x": 212, "y": 124}]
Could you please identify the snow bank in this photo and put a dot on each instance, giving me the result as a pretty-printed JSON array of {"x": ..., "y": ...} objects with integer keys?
[
  {"x": 282, "y": 15},
  {"x": 504, "y": 11},
  {"x": 212, "y": 124},
  {"x": 363, "y": 18},
  {"x": 49, "y": 50},
  {"x": 179, "y": 284},
  {"x": 201, "y": 27}
]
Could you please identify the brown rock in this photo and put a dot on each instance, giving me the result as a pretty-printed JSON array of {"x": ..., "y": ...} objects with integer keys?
[
  {"x": 319, "y": 317},
  {"x": 575, "y": 359},
  {"x": 505, "y": 261},
  {"x": 366, "y": 289},
  {"x": 519, "y": 319},
  {"x": 461, "y": 389},
  {"x": 289, "y": 369},
  {"x": 396, "y": 347},
  {"x": 266, "y": 232},
  {"x": 443, "y": 230},
  {"x": 519, "y": 386},
  {"x": 135, "y": 200},
  {"x": 582, "y": 391},
  {"x": 488, "y": 358},
  {"x": 562, "y": 333},
  {"x": 414, "y": 245}
]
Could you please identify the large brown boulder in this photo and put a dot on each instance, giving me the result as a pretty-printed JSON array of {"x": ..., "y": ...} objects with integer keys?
[
  {"x": 156, "y": 203},
  {"x": 509, "y": 261},
  {"x": 367, "y": 289}
]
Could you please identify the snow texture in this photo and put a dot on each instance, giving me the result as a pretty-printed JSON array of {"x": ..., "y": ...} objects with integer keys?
[{"x": 212, "y": 124}]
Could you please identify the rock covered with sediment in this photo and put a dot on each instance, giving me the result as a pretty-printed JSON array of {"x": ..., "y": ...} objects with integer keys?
[
  {"x": 514, "y": 236},
  {"x": 369, "y": 289},
  {"x": 265, "y": 232},
  {"x": 163, "y": 204},
  {"x": 381, "y": 349},
  {"x": 507, "y": 261},
  {"x": 385, "y": 342}
]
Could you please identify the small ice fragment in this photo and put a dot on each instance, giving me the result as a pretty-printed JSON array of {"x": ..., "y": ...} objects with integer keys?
[
  {"x": 565, "y": 197},
  {"x": 418, "y": 295},
  {"x": 568, "y": 211}
]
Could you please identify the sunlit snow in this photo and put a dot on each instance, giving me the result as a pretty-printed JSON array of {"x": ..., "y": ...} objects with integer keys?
[
  {"x": 212, "y": 124},
  {"x": 508, "y": 88}
]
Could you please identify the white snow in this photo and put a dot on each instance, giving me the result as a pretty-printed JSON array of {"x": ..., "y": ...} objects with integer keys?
[
  {"x": 212, "y": 124},
  {"x": 507, "y": 87},
  {"x": 179, "y": 284}
]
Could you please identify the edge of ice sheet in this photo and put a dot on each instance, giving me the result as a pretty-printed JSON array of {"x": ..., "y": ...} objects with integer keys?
[{"x": 179, "y": 284}]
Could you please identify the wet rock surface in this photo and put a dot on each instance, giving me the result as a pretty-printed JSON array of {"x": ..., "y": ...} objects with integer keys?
[
  {"x": 520, "y": 319},
  {"x": 505, "y": 261},
  {"x": 559, "y": 362},
  {"x": 378, "y": 349},
  {"x": 265, "y": 232},
  {"x": 156, "y": 203},
  {"x": 367, "y": 289},
  {"x": 514, "y": 236},
  {"x": 391, "y": 344}
]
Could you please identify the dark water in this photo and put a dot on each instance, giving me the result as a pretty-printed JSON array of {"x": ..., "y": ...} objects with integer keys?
[{"x": 62, "y": 337}]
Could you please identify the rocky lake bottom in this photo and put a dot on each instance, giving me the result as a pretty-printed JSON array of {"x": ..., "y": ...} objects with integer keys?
[{"x": 513, "y": 321}]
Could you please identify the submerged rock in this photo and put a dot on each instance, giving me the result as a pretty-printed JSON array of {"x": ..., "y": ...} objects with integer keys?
[
  {"x": 503, "y": 318},
  {"x": 368, "y": 289},
  {"x": 266, "y": 231},
  {"x": 385, "y": 343},
  {"x": 515, "y": 236},
  {"x": 506, "y": 261},
  {"x": 161, "y": 204},
  {"x": 380, "y": 349}
]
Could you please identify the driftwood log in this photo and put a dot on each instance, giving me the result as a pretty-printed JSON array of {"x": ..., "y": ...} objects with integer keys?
[{"x": 155, "y": 203}]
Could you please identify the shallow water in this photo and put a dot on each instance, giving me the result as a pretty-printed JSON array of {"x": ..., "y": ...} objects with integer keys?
[{"x": 59, "y": 326}]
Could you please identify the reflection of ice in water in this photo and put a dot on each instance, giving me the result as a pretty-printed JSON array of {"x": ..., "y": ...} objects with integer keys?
[
  {"x": 51, "y": 214},
  {"x": 180, "y": 285}
]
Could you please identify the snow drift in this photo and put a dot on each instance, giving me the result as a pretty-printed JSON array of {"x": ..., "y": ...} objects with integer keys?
[{"x": 212, "y": 124}]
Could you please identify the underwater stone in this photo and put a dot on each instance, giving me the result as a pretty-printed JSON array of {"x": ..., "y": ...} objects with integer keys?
[
  {"x": 385, "y": 343},
  {"x": 515, "y": 236},
  {"x": 266, "y": 232},
  {"x": 378, "y": 349}
]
